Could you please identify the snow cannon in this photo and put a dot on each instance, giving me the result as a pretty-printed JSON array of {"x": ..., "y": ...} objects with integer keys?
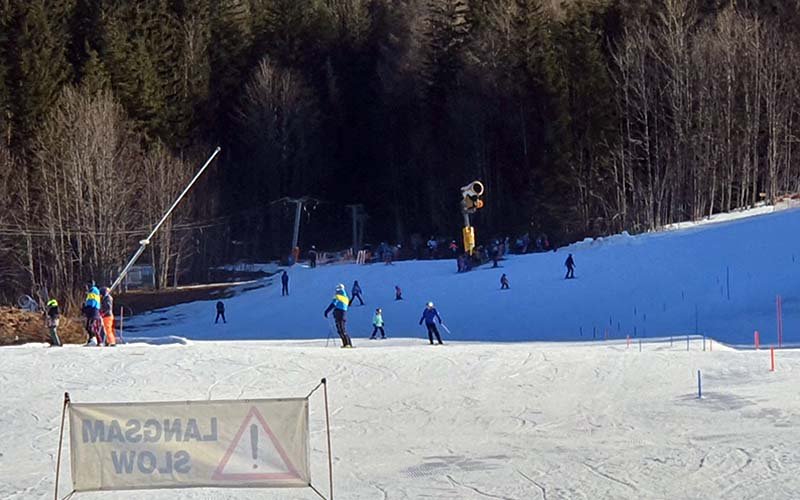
[
  {"x": 470, "y": 203},
  {"x": 471, "y": 194}
]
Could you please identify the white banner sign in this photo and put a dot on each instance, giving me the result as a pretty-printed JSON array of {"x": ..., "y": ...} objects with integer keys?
[{"x": 242, "y": 443}]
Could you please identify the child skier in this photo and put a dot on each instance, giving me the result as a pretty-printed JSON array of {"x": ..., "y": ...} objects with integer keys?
[
  {"x": 51, "y": 320},
  {"x": 220, "y": 312},
  {"x": 377, "y": 323},
  {"x": 356, "y": 293},
  {"x": 398, "y": 294},
  {"x": 504, "y": 282}
]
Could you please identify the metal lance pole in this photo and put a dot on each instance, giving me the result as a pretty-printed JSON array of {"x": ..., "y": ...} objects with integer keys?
[{"x": 143, "y": 243}]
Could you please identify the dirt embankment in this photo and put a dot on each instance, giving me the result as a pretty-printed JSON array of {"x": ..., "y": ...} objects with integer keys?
[{"x": 22, "y": 327}]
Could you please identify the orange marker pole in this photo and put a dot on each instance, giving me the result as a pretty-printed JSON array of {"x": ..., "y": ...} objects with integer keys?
[
  {"x": 780, "y": 321},
  {"x": 628, "y": 339},
  {"x": 755, "y": 339},
  {"x": 772, "y": 359}
]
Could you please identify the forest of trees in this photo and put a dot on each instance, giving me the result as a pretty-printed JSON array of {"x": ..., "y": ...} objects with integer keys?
[{"x": 581, "y": 117}]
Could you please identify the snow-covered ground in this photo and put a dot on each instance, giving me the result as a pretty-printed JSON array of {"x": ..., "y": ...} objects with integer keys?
[
  {"x": 719, "y": 279},
  {"x": 460, "y": 421},
  {"x": 519, "y": 404}
]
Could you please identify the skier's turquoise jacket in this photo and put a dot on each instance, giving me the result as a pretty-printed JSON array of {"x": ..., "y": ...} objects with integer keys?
[{"x": 377, "y": 320}]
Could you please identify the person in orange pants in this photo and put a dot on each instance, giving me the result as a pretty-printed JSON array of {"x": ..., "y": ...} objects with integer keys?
[{"x": 107, "y": 313}]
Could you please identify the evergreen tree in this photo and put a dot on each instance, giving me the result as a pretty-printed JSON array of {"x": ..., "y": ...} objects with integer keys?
[
  {"x": 36, "y": 53},
  {"x": 5, "y": 111}
]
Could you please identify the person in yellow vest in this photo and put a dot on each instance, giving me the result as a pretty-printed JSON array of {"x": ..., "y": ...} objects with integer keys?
[
  {"x": 107, "y": 313},
  {"x": 51, "y": 320}
]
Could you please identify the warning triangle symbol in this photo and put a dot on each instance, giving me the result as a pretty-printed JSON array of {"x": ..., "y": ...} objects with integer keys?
[{"x": 255, "y": 454}]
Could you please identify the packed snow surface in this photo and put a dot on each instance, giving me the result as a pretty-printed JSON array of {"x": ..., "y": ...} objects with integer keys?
[
  {"x": 721, "y": 280},
  {"x": 459, "y": 421},
  {"x": 520, "y": 402}
]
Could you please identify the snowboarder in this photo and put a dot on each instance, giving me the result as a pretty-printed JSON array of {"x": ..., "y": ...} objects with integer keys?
[
  {"x": 220, "y": 312},
  {"x": 570, "y": 263},
  {"x": 284, "y": 283},
  {"x": 107, "y": 313},
  {"x": 398, "y": 293},
  {"x": 377, "y": 323},
  {"x": 312, "y": 256},
  {"x": 91, "y": 309},
  {"x": 504, "y": 282},
  {"x": 51, "y": 320},
  {"x": 429, "y": 314},
  {"x": 356, "y": 293},
  {"x": 339, "y": 306}
]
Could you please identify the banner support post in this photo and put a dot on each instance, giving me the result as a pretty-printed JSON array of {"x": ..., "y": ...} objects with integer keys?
[
  {"x": 328, "y": 428},
  {"x": 60, "y": 442}
]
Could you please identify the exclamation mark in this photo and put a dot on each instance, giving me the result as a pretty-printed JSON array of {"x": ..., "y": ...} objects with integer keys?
[{"x": 254, "y": 443}]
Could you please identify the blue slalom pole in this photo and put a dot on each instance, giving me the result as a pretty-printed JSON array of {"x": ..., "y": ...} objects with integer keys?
[{"x": 699, "y": 386}]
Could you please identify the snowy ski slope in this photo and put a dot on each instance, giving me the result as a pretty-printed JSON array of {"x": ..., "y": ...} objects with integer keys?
[
  {"x": 656, "y": 284},
  {"x": 550, "y": 416}
]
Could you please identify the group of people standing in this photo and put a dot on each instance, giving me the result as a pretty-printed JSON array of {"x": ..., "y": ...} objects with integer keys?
[
  {"x": 341, "y": 303},
  {"x": 98, "y": 308}
]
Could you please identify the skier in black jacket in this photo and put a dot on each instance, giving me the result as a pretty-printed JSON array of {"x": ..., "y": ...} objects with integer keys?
[{"x": 570, "y": 263}]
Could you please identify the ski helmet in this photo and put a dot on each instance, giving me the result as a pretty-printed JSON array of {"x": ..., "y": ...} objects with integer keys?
[
  {"x": 52, "y": 303},
  {"x": 430, "y": 304},
  {"x": 339, "y": 287}
]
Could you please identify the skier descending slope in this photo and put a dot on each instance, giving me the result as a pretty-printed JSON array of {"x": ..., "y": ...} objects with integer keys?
[
  {"x": 339, "y": 307},
  {"x": 428, "y": 315}
]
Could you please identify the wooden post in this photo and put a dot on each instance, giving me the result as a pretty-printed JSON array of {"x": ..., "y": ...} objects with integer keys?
[{"x": 60, "y": 441}]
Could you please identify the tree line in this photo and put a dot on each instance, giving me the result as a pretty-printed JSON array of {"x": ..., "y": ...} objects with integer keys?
[{"x": 581, "y": 117}]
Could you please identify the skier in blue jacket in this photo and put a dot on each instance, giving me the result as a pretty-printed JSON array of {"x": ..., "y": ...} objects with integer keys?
[
  {"x": 339, "y": 306},
  {"x": 429, "y": 314}
]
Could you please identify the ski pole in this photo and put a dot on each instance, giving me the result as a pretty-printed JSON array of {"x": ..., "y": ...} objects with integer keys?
[
  {"x": 446, "y": 329},
  {"x": 330, "y": 331}
]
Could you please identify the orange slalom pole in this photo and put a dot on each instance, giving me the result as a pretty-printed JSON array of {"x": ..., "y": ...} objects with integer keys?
[
  {"x": 756, "y": 339},
  {"x": 772, "y": 359},
  {"x": 780, "y": 321}
]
